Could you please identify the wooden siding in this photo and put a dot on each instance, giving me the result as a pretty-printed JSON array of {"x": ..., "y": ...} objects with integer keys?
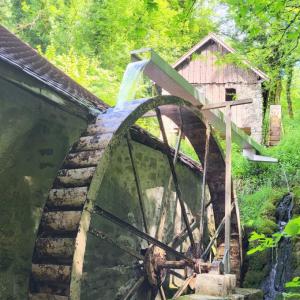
[{"x": 202, "y": 68}]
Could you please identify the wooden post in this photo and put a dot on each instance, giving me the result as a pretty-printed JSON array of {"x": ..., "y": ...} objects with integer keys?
[
  {"x": 203, "y": 200},
  {"x": 227, "y": 218},
  {"x": 227, "y": 189}
]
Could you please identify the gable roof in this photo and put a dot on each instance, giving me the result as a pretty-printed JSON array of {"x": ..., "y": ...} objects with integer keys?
[
  {"x": 218, "y": 40},
  {"x": 19, "y": 54}
]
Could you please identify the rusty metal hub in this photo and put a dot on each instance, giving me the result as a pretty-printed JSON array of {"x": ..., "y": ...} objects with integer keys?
[{"x": 154, "y": 260}]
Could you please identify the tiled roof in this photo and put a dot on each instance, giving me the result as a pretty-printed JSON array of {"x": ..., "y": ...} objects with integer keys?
[{"x": 22, "y": 56}]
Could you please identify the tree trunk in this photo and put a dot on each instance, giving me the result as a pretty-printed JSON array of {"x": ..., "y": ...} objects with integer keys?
[
  {"x": 278, "y": 91},
  {"x": 275, "y": 91},
  {"x": 289, "y": 73}
]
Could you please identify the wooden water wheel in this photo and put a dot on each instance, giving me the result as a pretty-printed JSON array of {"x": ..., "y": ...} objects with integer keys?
[{"x": 79, "y": 251}]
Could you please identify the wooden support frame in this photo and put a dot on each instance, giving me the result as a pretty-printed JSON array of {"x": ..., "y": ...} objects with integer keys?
[
  {"x": 228, "y": 181},
  {"x": 228, "y": 190},
  {"x": 226, "y": 103}
]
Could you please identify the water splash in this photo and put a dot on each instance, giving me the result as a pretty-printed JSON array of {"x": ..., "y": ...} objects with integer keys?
[{"x": 130, "y": 81}]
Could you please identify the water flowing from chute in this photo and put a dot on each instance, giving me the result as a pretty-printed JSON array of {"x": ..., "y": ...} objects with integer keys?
[{"x": 130, "y": 82}]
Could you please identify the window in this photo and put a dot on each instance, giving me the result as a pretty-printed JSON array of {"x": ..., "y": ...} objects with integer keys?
[{"x": 230, "y": 94}]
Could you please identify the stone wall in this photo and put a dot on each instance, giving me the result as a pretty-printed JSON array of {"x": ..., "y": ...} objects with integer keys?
[
  {"x": 34, "y": 138},
  {"x": 248, "y": 115}
]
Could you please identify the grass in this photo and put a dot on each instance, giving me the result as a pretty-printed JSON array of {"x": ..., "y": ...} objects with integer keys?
[{"x": 261, "y": 185}]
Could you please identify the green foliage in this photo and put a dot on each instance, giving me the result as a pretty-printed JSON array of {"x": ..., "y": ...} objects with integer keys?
[
  {"x": 294, "y": 283},
  {"x": 261, "y": 185},
  {"x": 188, "y": 150},
  {"x": 87, "y": 72},
  {"x": 270, "y": 36},
  {"x": 293, "y": 227},
  {"x": 151, "y": 125},
  {"x": 91, "y": 39},
  {"x": 261, "y": 242},
  {"x": 257, "y": 209},
  {"x": 293, "y": 287}
]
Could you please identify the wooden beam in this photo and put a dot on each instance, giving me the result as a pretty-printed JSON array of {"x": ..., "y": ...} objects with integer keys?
[
  {"x": 226, "y": 103},
  {"x": 240, "y": 229},
  {"x": 184, "y": 286},
  {"x": 203, "y": 198},
  {"x": 228, "y": 188},
  {"x": 134, "y": 288}
]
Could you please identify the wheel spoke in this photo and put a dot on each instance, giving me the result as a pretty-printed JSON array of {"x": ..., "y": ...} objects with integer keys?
[
  {"x": 183, "y": 287},
  {"x": 162, "y": 293},
  {"x": 167, "y": 192},
  {"x": 134, "y": 288},
  {"x": 175, "y": 179},
  {"x": 114, "y": 219},
  {"x": 181, "y": 237},
  {"x": 214, "y": 237},
  {"x": 106, "y": 238},
  {"x": 137, "y": 182}
]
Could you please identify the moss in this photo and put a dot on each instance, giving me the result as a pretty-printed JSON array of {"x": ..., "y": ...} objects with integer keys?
[
  {"x": 266, "y": 226},
  {"x": 258, "y": 209},
  {"x": 258, "y": 268},
  {"x": 34, "y": 139},
  {"x": 296, "y": 193}
]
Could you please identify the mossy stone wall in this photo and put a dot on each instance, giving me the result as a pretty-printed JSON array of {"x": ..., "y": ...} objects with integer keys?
[{"x": 35, "y": 136}]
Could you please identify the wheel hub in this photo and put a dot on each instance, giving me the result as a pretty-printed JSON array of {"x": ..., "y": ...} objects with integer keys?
[{"x": 155, "y": 258}]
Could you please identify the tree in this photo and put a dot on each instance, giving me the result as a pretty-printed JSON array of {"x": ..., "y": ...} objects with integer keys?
[
  {"x": 103, "y": 32},
  {"x": 269, "y": 31},
  {"x": 289, "y": 78}
]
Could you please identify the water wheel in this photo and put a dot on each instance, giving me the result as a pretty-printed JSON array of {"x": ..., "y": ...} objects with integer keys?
[{"x": 92, "y": 245}]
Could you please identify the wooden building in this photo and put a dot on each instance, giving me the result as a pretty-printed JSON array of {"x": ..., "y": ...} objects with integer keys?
[{"x": 203, "y": 67}]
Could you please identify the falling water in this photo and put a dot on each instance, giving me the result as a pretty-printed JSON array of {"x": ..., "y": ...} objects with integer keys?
[
  {"x": 130, "y": 81},
  {"x": 280, "y": 271},
  {"x": 285, "y": 178}
]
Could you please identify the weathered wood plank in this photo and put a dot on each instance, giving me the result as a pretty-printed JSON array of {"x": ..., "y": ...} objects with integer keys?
[
  {"x": 95, "y": 142},
  {"x": 83, "y": 159},
  {"x": 54, "y": 247},
  {"x": 75, "y": 177},
  {"x": 44, "y": 296},
  {"x": 74, "y": 197},
  {"x": 61, "y": 220},
  {"x": 51, "y": 273}
]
